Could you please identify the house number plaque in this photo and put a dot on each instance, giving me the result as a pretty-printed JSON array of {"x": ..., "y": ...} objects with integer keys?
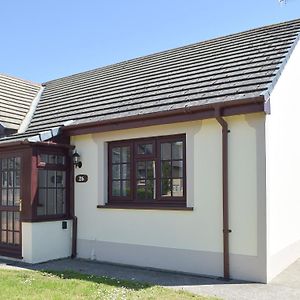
[{"x": 81, "y": 178}]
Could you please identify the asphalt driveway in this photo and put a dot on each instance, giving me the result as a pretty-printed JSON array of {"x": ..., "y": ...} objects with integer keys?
[{"x": 284, "y": 286}]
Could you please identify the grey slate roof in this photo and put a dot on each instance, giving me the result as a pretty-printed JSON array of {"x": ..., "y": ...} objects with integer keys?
[
  {"x": 16, "y": 96},
  {"x": 229, "y": 68}
]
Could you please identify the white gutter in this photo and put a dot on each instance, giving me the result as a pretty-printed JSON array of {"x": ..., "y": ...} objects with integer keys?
[{"x": 26, "y": 121}]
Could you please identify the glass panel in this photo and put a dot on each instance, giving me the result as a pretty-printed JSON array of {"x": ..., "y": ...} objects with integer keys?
[
  {"x": 116, "y": 172},
  {"x": 125, "y": 154},
  {"x": 11, "y": 163},
  {"x": 141, "y": 169},
  {"x": 17, "y": 238},
  {"x": 17, "y": 178},
  {"x": 177, "y": 168},
  {"x": 17, "y": 221},
  {"x": 10, "y": 180},
  {"x": 61, "y": 201},
  {"x": 166, "y": 151},
  {"x": 166, "y": 188},
  {"x": 151, "y": 169},
  {"x": 177, "y": 187},
  {"x": 4, "y": 179},
  {"x": 60, "y": 178},
  {"x": 145, "y": 149},
  {"x": 41, "y": 208},
  {"x": 10, "y": 197},
  {"x": 10, "y": 220},
  {"x": 166, "y": 169},
  {"x": 177, "y": 150},
  {"x": 18, "y": 163},
  {"x": 4, "y": 197},
  {"x": 51, "y": 201},
  {"x": 10, "y": 237},
  {"x": 3, "y": 220},
  {"x": 116, "y": 155},
  {"x": 16, "y": 197},
  {"x": 125, "y": 188},
  {"x": 44, "y": 158},
  {"x": 52, "y": 159},
  {"x": 60, "y": 160},
  {"x": 116, "y": 188},
  {"x": 42, "y": 178},
  {"x": 3, "y": 237},
  {"x": 125, "y": 171},
  {"x": 4, "y": 163},
  {"x": 51, "y": 178}
]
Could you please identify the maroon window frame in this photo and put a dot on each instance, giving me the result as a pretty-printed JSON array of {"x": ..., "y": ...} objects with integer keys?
[{"x": 151, "y": 160}]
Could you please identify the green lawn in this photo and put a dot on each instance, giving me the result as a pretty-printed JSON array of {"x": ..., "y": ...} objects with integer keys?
[{"x": 23, "y": 284}]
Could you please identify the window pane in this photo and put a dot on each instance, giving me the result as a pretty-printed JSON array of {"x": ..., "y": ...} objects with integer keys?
[
  {"x": 4, "y": 163},
  {"x": 52, "y": 159},
  {"x": 166, "y": 151},
  {"x": 17, "y": 178},
  {"x": 41, "y": 208},
  {"x": 4, "y": 197},
  {"x": 18, "y": 163},
  {"x": 11, "y": 163},
  {"x": 16, "y": 197},
  {"x": 4, "y": 179},
  {"x": 116, "y": 171},
  {"x": 125, "y": 171},
  {"x": 51, "y": 178},
  {"x": 3, "y": 220},
  {"x": 125, "y": 154},
  {"x": 44, "y": 158},
  {"x": 10, "y": 179},
  {"x": 150, "y": 190},
  {"x": 150, "y": 169},
  {"x": 116, "y": 188},
  {"x": 177, "y": 150},
  {"x": 126, "y": 188},
  {"x": 177, "y": 187},
  {"x": 61, "y": 201},
  {"x": 60, "y": 160},
  {"x": 166, "y": 169},
  {"x": 116, "y": 155},
  {"x": 145, "y": 149},
  {"x": 177, "y": 168},
  {"x": 3, "y": 237},
  {"x": 51, "y": 201},
  {"x": 60, "y": 179},
  {"x": 166, "y": 188},
  {"x": 10, "y": 237},
  {"x": 16, "y": 238},
  {"x": 17, "y": 221},
  {"x": 141, "y": 169},
  {"x": 10, "y": 220},
  {"x": 42, "y": 178},
  {"x": 10, "y": 197},
  {"x": 141, "y": 192}
]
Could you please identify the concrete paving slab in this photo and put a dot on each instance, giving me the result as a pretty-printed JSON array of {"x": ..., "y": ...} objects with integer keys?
[{"x": 284, "y": 286}]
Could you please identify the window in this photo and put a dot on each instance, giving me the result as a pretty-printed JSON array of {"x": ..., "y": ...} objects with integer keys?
[
  {"x": 51, "y": 184},
  {"x": 148, "y": 172}
]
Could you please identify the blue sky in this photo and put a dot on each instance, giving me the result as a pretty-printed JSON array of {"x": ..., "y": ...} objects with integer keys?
[{"x": 44, "y": 40}]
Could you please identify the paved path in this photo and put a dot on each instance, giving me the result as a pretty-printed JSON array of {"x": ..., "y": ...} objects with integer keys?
[{"x": 286, "y": 286}]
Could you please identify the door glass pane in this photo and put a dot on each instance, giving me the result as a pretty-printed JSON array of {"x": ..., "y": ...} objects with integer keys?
[{"x": 116, "y": 188}]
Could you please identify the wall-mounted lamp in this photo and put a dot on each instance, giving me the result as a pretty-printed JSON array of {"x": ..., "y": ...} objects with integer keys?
[{"x": 76, "y": 160}]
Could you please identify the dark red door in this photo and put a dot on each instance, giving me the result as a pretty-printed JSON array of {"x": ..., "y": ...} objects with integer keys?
[{"x": 10, "y": 201}]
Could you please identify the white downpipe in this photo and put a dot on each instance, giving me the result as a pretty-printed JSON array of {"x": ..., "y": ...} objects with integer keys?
[{"x": 26, "y": 121}]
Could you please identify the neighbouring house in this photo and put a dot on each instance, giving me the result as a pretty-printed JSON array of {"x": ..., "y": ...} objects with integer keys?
[{"x": 184, "y": 160}]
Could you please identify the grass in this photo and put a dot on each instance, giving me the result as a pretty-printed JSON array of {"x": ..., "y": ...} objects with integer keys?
[{"x": 23, "y": 284}]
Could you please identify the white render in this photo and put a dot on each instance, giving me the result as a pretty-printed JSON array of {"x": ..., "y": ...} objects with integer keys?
[
  {"x": 43, "y": 241},
  {"x": 187, "y": 241},
  {"x": 283, "y": 165}
]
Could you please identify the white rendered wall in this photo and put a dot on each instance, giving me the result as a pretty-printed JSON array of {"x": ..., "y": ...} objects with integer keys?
[
  {"x": 43, "y": 241},
  {"x": 188, "y": 241},
  {"x": 283, "y": 165}
]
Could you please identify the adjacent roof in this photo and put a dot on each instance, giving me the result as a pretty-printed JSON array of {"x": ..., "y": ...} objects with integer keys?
[
  {"x": 16, "y": 96},
  {"x": 229, "y": 68},
  {"x": 233, "y": 69}
]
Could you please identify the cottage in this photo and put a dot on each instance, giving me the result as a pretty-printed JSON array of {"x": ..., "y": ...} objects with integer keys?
[{"x": 185, "y": 160}]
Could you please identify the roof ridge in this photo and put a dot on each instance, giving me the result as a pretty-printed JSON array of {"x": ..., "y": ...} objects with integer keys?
[{"x": 265, "y": 27}]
